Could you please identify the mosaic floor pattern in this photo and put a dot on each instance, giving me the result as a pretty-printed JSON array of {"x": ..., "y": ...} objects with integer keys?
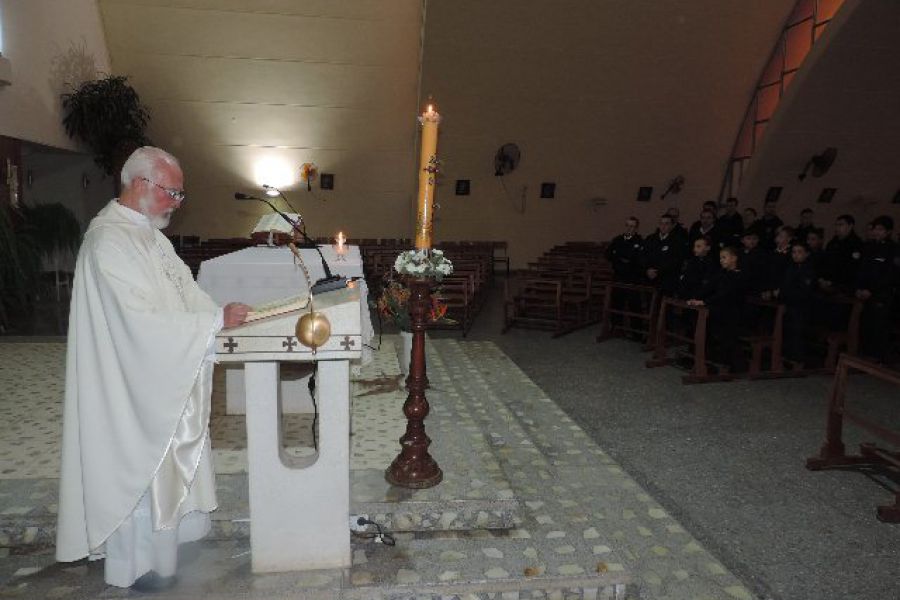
[{"x": 585, "y": 523}]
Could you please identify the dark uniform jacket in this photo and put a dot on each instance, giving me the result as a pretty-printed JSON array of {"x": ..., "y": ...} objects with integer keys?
[
  {"x": 731, "y": 229},
  {"x": 625, "y": 255},
  {"x": 776, "y": 264},
  {"x": 767, "y": 227},
  {"x": 698, "y": 276},
  {"x": 713, "y": 234},
  {"x": 840, "y": 264},
  {"x": 797, "y": 285},
  {"x": 878, "y": 269},
  {"x": 666, "y": 256},
  {"x": 801, "y": 231},
  {"x": 755, "y": 268}
]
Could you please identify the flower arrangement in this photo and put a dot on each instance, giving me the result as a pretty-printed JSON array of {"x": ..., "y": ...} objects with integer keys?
[
  {"x": 308, "y": 173},
  {"x": 423, "y": 263},
  {"x": 393, "y": 304}
]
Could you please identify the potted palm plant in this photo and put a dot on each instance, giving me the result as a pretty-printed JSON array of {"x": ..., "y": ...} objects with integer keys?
[
  {"x": 28, "y": 236},
  {"x": 108, "y": 117}
]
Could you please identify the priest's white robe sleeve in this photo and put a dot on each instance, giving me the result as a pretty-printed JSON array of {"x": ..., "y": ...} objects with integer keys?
[{"x": 136, "y": 408}]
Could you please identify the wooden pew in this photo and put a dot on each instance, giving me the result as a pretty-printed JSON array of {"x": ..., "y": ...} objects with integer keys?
[
  {"x": 647, "y": 296},
  {"x": 833, "y": 454},
  {"x": 846, "y": 340},
  {"x": 768, "y": 336},
  {"x": 699, "y": 372}
]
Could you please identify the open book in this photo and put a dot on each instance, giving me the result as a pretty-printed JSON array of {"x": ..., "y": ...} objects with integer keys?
[
  {"x": 278, "y": 307},
  {"x": 274, "y": 222}
]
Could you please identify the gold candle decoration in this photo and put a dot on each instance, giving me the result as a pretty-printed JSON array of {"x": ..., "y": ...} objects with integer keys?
[{"x": 427, "y": 171}]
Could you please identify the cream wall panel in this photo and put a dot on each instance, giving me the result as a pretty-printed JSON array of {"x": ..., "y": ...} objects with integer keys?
[
  {"x": 355, "y": 9},
  {"x": 177, "y": 31},
  {"x": 267, "y": 125},
  {"x": 267, "y": 82},
  {"x": 232, "y": 83}
]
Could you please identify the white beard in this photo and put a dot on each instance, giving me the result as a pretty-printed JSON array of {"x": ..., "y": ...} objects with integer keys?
[{"x": 158, "y": 221}]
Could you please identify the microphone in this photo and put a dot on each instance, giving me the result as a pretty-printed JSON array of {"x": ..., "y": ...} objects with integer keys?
[{"x": 327, "y": 283}]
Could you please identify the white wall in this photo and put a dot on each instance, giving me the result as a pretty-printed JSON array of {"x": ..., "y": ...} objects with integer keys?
[{"x": 50, "y": 43}]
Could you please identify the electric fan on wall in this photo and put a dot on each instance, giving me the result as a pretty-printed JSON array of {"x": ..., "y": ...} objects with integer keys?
[{"x": 507, "y": 159}]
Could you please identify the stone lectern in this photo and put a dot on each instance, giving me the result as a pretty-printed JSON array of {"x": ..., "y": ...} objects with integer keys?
[{"x": 299, "y": 507}]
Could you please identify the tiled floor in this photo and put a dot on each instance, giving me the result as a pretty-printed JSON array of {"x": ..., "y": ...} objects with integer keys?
[{"x": 584, "y": 525}]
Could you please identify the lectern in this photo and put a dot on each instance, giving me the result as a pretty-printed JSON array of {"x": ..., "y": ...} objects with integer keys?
[{"x": 299, "y": 507}]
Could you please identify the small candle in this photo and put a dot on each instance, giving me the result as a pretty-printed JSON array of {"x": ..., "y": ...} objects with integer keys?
[{"x": 341, "y": 239}]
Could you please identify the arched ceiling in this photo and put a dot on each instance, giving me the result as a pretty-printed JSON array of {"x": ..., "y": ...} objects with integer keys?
[{"x": 847, "y": 96}]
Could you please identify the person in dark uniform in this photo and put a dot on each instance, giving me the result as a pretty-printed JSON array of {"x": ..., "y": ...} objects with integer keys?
[
  {"x": 705, "y": 227},
  {"x": 806, "y": 224},
  {"x": 875, "y": 285},
  {"x": 777, "y": 261},
  {"x": 796, "y": 293},
  {"x": 750, "y": 219},
  {"x": 699, "y": 272},
  {"x": 815, "y": 241},
  {"x": 753, "y": 263},
  {"x": 840, "y": 263},
  {"x": 768, "y": 225},
  {"x": 624, "y": 253},
  {"x": 663, "y": 255},
  {"x": 679, "y": 232},
  {"x": 726, "y": 304},
  {"x": 730, "y": 224}
]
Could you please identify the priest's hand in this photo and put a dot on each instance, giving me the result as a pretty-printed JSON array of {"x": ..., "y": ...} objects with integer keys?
[{"x": 235, "y": 313}]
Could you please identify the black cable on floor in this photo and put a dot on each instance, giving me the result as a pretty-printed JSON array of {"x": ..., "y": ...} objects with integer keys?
[{"x": 312, "y": 396}]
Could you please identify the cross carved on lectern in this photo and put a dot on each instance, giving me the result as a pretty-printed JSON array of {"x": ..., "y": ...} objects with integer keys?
[
  {"x": 231, "y": 345},
  {"x": 347, "y": 343},
  {"x": 289, "y": 344}
]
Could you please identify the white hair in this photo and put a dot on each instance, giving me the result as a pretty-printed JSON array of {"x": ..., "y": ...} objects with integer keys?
[{"x": 145, "y": 162}]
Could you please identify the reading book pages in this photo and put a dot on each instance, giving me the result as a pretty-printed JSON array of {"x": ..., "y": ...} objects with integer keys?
[
  {"x": 274, "y": 222},
  {"x": 277, "y": 307}
]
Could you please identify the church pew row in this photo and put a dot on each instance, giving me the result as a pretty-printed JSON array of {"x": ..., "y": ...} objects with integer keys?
[
  {"x": 684, "y": 327},
  {"x": 629, "y": 309},
  {"x": 833, "y": 453},
  {"x": 578, "y": 271}
]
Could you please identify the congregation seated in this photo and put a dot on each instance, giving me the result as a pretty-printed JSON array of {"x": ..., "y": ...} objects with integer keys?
[{"x": 829, "y": 296}]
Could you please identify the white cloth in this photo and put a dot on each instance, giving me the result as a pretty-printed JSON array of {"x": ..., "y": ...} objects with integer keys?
[
  {"x": 137, "y": 403},
  {"x": 262, "y": 274}
]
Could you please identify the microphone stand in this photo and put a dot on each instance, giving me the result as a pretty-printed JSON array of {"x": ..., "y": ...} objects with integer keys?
[{"x": 327, "y": 283}]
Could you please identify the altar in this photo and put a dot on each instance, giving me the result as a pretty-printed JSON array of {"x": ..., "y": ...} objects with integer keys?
[{"x": 262, "y": 274}]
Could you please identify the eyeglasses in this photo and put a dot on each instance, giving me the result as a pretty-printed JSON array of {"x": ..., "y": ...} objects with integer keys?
[{"x": 176, "y": 195}]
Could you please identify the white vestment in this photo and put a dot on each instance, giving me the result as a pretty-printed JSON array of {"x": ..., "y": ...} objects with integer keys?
[{"x": 138, "y": 383}]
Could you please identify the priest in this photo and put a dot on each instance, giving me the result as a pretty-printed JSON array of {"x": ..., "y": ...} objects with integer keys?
[{"x": 136, "y": 477}]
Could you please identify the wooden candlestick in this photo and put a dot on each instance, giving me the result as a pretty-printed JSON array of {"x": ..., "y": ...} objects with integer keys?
[{"x": 414, "y": 467}]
